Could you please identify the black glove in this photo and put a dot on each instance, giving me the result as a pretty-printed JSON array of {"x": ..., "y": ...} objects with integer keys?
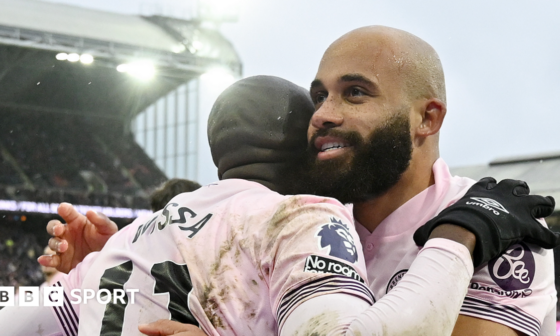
[{"x": 499, "y": 215}]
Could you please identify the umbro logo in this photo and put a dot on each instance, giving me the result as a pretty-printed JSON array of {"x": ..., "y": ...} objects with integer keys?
[{"x": 488, "y": 204}]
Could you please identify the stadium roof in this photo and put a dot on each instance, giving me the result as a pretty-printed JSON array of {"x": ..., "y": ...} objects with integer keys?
[
  {"x": 85, "y": 23},
  {"x": 33, "y": 32},
  {"x": 541, "y": 172},
  {"x": 81, "y": 22}
]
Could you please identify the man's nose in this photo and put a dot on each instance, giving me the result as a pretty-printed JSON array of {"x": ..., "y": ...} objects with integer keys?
[{"x": 326, "y": 116}]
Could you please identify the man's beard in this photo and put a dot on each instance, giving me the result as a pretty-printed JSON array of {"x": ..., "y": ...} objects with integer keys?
[{"x": 377, "y": 165}]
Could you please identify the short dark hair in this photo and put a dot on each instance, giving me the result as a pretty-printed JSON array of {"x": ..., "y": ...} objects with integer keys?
[{"x": 169, "y": 189}]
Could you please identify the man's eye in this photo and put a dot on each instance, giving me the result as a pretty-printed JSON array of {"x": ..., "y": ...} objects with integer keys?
[
  {"x": 355, "y": 92},
  {"x": 320, "y": 98}
]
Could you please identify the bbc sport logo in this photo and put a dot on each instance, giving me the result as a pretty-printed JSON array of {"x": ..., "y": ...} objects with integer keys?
[{"x": 55, "y": 296}]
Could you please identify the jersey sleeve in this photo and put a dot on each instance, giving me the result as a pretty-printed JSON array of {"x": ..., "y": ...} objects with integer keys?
[
  {"x": 37, "y": 320},
  {"x": 425, "y": 302},
  {"x": 517, "y": 290},
  {"x": 67, "y": 315},
  {"x": 312, "y": 249}
]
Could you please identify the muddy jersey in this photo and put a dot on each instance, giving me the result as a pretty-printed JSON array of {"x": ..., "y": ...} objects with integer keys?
[
  {"x": 515, "y": 289},
  {"x": 232, "y": 257}
]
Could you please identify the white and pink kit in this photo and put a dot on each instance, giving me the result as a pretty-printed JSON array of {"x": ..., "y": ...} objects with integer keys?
[
  {"x": 238, "y": 259},
  {"x": 516, "y": 289}
]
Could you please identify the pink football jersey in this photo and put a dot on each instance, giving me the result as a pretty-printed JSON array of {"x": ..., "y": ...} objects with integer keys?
[
  {"x": 516, "y": 289},
  {"x": 233, "y": 257}
]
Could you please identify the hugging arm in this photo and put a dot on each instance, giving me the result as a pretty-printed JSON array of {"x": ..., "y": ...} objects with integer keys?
[{"x": 429, "y": 297}]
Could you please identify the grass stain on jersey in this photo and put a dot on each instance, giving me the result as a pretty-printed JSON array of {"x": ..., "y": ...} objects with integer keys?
[
  {"x": 322, "y": 324},
  {"x": 211, "y": 297},
  {"x": 287, "y": 211},
  {"x": 224, "y": 249},
  {"x": 210, "y": 306},
  {"x": 216, "y": 293}
]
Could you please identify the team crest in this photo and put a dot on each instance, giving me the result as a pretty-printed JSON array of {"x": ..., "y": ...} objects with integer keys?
[
  {"x": 395, "y": 280},
  {"x": 336, "y": 236}
]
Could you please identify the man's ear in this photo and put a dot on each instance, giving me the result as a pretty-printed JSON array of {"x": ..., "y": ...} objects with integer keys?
[{"x": 432, "y": 113}]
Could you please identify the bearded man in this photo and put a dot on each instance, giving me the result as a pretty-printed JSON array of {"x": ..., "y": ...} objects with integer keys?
[{"x": 380, "y": 101}]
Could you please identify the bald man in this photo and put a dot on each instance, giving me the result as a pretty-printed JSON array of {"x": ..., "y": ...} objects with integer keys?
[{"x": 380, "y": 101}]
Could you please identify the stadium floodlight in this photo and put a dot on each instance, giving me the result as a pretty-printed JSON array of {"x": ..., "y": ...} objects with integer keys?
[
  {"x": 178, "y": 48},
  {"x": 218, "y": 78},
  {"x": 62, "y": 56},
  {"x": 73, "y": 57},
  {"x": 122, "y": 67},
  {"x": 86, "y": 59},
  {"x": 197, "y": 45},
  {"x": 143, "y": 70}
]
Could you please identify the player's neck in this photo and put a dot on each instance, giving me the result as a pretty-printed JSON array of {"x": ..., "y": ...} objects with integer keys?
[{"x": 414, "y": 180}]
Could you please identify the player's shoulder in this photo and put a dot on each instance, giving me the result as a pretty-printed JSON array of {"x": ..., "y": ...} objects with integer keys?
[
  {"x": 312, "y": 202},
  {"x": 254, "y": 195},
  {"x": 297, "y": 211},
  {"x": 448, "y": 186},
  {"x": 523, "y": 270},
  {"x": 515, "y": 289},
  {"x": 458, "y": 185}
]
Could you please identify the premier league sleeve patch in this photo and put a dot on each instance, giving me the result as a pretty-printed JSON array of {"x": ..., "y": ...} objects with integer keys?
[{"x": 336, "y": 237}]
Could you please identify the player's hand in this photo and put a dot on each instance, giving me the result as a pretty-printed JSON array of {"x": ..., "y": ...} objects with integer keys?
[
  {"x": 74, "y": 240},
  {"x": 167, "y": 327},
  {"x": 499, "y": 215}
]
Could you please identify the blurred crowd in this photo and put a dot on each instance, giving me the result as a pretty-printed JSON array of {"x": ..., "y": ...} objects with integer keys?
[
  {"x": 64, "y": 158},
  {"x": 48, "y": 158},
  {"x": 53, "y": 158},
  {"x": 20, "y": 246},
  {"x": 18, "y": 257}
]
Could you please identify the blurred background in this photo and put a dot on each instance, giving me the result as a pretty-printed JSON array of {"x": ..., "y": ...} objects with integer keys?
[{"x": 102, "y": 101}]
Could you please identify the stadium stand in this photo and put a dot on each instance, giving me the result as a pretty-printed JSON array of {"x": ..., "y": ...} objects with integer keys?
[
  {"x": 18, "y": 253},
  {"x": 64, "y": 160},
  {"x": 65, "y": 130}
]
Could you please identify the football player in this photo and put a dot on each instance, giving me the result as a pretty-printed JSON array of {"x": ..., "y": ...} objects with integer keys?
[
  {"x": 379, "y": 96},
  {"x": 255, "y": 262}
]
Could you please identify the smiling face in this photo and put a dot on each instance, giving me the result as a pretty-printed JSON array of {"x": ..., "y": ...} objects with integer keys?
[
  {"x": 361, "y": 168},
  {"x": 360, "y": 136},
  {"x": 358, "y": 87}
]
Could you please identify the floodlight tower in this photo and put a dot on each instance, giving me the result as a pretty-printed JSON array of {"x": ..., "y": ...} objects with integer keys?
[{"x": 173, "y": 129}]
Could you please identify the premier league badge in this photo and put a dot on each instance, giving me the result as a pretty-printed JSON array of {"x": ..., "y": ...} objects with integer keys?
[{"x": 336, "y": 236}]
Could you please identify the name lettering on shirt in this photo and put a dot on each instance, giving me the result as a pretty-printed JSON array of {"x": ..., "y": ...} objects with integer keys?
[{"x": 173, "y": 214}]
